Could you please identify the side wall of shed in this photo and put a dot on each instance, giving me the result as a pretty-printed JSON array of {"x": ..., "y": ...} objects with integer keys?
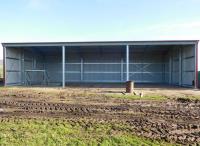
[
  {"x": 188, "y": 66},
  {"x": 183, "y": 65},
  {"x": 18, "y": 60},
  {"x": 13, "y": 66}
]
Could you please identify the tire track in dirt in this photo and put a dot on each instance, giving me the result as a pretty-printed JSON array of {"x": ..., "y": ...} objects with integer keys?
[{"x": 177, "y": 121}]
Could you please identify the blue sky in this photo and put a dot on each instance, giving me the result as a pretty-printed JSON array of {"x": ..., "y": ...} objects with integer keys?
[{"x": 98, "y": 20}]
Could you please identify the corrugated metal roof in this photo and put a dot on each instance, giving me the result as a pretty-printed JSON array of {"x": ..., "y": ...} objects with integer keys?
[{"x": 102, "y": 43}]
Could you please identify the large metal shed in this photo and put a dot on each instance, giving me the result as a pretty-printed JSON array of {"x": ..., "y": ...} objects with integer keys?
[{"x": 59, "y": 63}]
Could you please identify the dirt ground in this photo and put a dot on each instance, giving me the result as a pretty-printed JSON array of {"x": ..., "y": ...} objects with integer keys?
[{"x": 175, "y": 119}]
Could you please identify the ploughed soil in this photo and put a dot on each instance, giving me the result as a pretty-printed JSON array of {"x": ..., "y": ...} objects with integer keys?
[{"x": 173, "y": 120}]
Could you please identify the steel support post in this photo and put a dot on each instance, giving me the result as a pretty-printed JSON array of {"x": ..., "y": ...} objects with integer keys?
[
  {"x": 63, "y": 66},
  {"x": 81, "y": 69},
  {"x": 127, "y": 63},
  {"x": 196, "y": 82},
  {"x": 180, "y": 66},
  {"x": 4, "y": 66},
  {"x": 170, "y": 68},
  {"x": 122, "y": 69}
]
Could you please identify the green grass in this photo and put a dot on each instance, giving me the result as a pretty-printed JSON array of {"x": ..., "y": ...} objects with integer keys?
[
  {"x": 150, "y": 97},
  {"x": 38, "y": 132},
  {"x": 136, "y": 97}
]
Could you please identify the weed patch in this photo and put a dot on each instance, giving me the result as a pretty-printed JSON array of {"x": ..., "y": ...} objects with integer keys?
[{"x": 60, "y": 132}]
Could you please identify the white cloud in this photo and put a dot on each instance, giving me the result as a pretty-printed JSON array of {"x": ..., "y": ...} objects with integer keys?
[
  {"x": 173, "y": 28},
  {"x": 187, "y": 30}
]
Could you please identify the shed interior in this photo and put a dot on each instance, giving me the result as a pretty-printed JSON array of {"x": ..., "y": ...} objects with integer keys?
[{"x": 42, "y": 65}]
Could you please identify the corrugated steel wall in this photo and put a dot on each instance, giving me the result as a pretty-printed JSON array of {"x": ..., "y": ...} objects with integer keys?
[
  {"x": 104, "y": 65},
  {"x": 18, "y": 60},
  {"x": 110, "y": 66},
  {"x": 147, "y": 67},
  {"x": 13, "y": 66},
  {"x": 183, "y": 65},
  {"x": 53, "y": 66},
  {"x": 93, "y": 66},
  {"x": 166, "y": 67},
  {"x": 32, "y": 61},
  {"x": 188, "y": 65},
  {"x": 175, "y": 66}
]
